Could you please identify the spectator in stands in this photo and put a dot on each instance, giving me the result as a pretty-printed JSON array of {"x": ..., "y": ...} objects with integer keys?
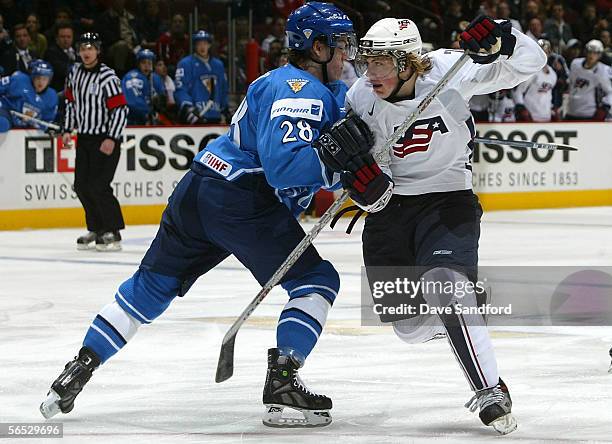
[
  {"x": 38, "y": 42},
  {"x": 61, "y": 54},
  {"x": 13, "y": 13},
  {"x": 278, "y": 33},
  {"x": 117, "y": 26},
  {"x": 150, "y": 25},
  {"x": 201, "y": 84},
  {"x": 18, "y": 56},
  {"x": 535, "y": 29},
  {"x": 62, "y": 15},
  {"x": 533, "y": 99},
  {"x": 283, "y": 8},
  {"x": 453, "y": 16},
  {"x": 532, "y": 10},
  {"x": 503, "y": 13},
  {"x": 271, "y": 60},
  {"x": 144, "y": 91},
  {"x": 604, "y": 37},
  {"x": 557, "y": 31},
  {"x": 585, "y": 25},
  {"x": 5, "y": 37},
  {"x": 162, "y": 71},
  {"x": 172, "y": 46}
]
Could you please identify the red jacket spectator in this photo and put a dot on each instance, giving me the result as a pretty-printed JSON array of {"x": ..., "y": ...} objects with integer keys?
[
  {"x": 283, "y": 8},
  {"x": 172, "y": 46}
]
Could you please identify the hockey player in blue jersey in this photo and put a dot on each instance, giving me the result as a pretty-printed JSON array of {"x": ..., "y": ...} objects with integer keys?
[
  {"x": 240, "y": 198},
  {"x": 144, "y": 90},
  {"x": 201, "y": 84},
  {"x": 28, "y": 94}
]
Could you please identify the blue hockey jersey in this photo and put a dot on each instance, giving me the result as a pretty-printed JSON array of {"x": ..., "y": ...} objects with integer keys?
[
  {"x": 201, "y": 84},
  {"x": 139, "y": 91},
  {"x": 18, "y": 94},
  {"x": 271, "y": 132}
]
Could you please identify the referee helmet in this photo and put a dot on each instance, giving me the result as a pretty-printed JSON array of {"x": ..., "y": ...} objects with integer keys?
[{"x": 90, "y": 39}]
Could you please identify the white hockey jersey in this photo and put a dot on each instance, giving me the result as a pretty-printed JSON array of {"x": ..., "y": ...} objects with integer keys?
[
  {"x": 435, "y": 154},
  {"x": 583, "y": 84},
  {"x": 536, "y": 94}
]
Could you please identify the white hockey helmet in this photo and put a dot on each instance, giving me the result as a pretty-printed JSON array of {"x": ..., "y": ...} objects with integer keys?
[
  {"x": 392, "y": 37},
  {"x": 594, "y": 46}
]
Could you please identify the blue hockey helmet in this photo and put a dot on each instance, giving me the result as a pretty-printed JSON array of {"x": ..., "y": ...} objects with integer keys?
[
  {"x": 145, "y": 54},
  {"x": 40, "y": 68},
  {"x": 201, "y": 35},
  {"x": 317, "y": 19}
]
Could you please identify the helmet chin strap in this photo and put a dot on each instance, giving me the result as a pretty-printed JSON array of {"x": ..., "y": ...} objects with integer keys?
[
  {"x": 393, "y": 97},
  {"x": 324, "y": 65}
]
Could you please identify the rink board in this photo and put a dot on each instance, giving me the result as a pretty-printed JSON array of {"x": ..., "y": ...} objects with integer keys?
[{"x": 36, "y": 171}]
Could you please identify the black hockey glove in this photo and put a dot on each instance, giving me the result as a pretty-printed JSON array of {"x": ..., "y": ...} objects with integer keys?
[
  {"x": 189, "y": 114},
  {"x": 347, "y": 138},
  {"x": 488, "y": 38},
  {"x": 367, "y": 185}
]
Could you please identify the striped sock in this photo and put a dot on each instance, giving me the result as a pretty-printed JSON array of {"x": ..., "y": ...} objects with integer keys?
[{"x": 111, "y": 329}]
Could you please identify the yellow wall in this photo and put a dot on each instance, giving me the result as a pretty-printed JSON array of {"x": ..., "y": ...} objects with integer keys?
[{"x": 151, "y": 214}]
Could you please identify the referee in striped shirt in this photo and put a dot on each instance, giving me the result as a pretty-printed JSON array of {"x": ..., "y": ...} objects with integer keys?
[{"x": 96, "y": 108}]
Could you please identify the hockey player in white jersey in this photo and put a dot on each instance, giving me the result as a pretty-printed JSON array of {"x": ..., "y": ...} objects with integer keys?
[
  {"x": 533, "y": 99},
  {"x": 587, "y": 74},
  {"x": 433, "y": 217}
]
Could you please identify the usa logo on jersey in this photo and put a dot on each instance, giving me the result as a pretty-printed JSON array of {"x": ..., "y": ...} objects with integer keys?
[{"x": 418, "y": 137}]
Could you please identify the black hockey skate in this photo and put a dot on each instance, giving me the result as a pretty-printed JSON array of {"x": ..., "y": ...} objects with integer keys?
[
  {"x": 284, "y": 388},
  {"x": 610, "y": 369},
  {"x": 86, "y": 241},
  {"x": 110, "y": 241},
  {"x": 495, "y": 408},
  {"x": 69, "y": 384}
]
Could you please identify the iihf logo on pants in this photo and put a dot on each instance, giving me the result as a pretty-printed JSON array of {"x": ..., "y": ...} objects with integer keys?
[
  {"x": 40, "y": 158},
  {"x": 418, "y": 137}
]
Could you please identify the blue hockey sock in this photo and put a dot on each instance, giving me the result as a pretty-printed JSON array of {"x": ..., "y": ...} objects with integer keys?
[
  {"x": 111, "y": 329},
  {"x": 300, "y": 324}
]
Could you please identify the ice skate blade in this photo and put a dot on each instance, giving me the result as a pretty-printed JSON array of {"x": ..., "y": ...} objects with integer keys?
[
  {"x": 504, "y": 424},
  {"x": 273, "y": 417},
  {"x": 84, "y": 247},
  {"x": 50, "y": 406},
  {"x": 115, "y": 246}
]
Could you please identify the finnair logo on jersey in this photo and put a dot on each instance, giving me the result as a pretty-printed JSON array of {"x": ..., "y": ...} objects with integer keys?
[
  {"x": 296, "y": 85},
  {"x": 311, "y": 109},
  {"x": 216, "y": 164}
]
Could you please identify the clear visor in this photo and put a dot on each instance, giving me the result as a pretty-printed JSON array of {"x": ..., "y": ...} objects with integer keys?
[
  {"x": 378, "y": 67},
  {"x": 346, "y": 42}
]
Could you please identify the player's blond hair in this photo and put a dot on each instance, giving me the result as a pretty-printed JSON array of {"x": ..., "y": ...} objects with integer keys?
[{"x": 418, "y": 64}]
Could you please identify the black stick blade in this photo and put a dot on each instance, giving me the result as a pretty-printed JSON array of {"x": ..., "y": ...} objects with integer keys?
[{"x": 225, "y": 367}]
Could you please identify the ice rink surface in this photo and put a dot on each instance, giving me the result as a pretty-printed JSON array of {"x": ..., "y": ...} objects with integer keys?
[{"x": 161, "y": 387}]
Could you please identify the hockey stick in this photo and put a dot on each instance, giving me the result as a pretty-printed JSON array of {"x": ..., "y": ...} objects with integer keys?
[
  {"x": 49, "y": 125},
  {"x": 526, "y": 144},
  {"x": 225, "y": 367}
]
